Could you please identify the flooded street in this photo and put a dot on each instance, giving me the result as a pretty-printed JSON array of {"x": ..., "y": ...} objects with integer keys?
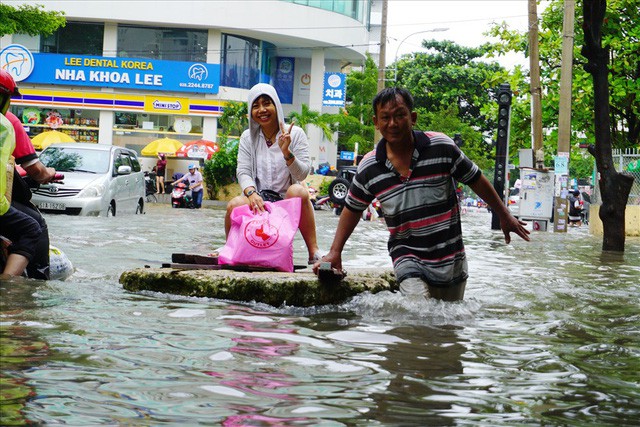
[{"x": 548, "y": 334}]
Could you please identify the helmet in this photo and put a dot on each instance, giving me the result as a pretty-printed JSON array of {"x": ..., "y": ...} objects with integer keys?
[
  {"x": 7, "y": 84},
  {"x": 8, "y": 89},
  {"x": 576, "y": 192},
  {"x": 192, "y": 166}
]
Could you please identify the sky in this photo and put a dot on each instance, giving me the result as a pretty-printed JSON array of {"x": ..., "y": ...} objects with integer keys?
[{"x": 462, "y": 21}]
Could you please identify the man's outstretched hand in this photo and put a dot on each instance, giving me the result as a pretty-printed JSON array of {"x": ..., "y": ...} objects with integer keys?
[{"x": 512, "y": 224}]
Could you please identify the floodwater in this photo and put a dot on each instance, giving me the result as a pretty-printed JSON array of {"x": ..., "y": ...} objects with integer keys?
[{"x": 548, "y": 334}]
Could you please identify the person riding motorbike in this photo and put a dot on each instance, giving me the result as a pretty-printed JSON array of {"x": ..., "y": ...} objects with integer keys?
[
  {"x": 22, "y": 230},
  {"x": 181, "y": 197},
  {"x": 194, "y": 181},
  {"x": 36, "y": 173}
]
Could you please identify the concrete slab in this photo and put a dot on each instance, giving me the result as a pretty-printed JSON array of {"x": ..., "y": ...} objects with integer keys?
[{"x": 301, "y": 289}]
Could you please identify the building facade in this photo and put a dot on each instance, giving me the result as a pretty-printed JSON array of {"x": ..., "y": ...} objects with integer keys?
[{"x": 126, "y": 73}]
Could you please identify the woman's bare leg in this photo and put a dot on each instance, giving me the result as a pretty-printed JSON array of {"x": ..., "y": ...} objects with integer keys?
[
  {"x": 307, "y": 218},
  {"x": 233, "y": 203}
]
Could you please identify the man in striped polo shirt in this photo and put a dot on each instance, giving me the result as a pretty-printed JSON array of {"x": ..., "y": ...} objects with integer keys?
[{"x": 412, "y": 175}]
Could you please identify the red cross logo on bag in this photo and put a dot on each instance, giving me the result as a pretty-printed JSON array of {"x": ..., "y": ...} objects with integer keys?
[{"x": 260, "y": 234}]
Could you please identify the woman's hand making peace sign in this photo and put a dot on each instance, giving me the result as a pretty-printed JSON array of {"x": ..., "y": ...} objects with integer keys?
[{"x": 284, "y": 140}]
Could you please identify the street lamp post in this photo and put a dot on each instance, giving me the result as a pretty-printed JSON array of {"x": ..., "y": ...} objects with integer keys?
[{"x": 433, "y": 30}]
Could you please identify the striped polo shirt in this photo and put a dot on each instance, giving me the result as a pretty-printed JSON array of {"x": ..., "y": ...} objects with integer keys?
[{"x": 421, "y": 210}]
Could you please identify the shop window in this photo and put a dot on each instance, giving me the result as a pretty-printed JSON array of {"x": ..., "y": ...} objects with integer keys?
[
  {"x": 136, "y": 130},
  {"x": 268, "y": 55},
  {"x": 126, "y": 120},
  {"x": 172, "y": 44},
  {"x": 240, "y": 61},
  {"x": 81, "y": 125},
  {"x": 79, "y": 38}
]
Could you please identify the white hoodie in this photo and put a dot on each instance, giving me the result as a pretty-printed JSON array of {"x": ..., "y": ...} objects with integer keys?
[{"x": 272, "y": 173}]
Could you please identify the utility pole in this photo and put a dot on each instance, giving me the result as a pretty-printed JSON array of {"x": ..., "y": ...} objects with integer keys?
[
  {"x": 536, "y": 90},
  {"x": 566, "y": 77},
  {"x": 564, "y": 109},
  {"x": 383, "y": 57}
]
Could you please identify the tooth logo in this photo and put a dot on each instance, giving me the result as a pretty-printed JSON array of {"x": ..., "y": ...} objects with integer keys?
[
  {"x": 198, "y": 72},
  {"x": 17, "y": 61}
]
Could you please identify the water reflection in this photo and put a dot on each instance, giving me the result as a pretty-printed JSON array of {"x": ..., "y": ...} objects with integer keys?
[
  {"x": 21, "y": 348},
  {"x": 547, "y": 335},
  {"x": 416, "y": 367}
]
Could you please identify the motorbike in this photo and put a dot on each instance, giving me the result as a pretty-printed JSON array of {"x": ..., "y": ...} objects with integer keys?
[
  {"x": 150, "y": 187},
  {"x": 181, "y": 196},
  {"x": 57, "y": 266}
]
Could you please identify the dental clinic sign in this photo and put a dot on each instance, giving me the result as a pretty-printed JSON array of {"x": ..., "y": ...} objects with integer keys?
[
  {"x": 335, "y": 89},
  {"x": 129, "y": 73}
]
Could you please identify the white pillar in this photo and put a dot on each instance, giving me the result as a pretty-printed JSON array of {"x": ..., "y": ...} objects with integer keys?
[
  {"x": 110, "y": 40},
  {"x": 105, "y": 132},
  {"x": 317, "y": 145},
  {"x": 210, "y": 128},
  {"x": 110, "y": 50}
]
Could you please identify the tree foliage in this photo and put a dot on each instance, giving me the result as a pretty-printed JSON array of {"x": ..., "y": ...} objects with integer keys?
[
  {"x": 454, "y": 93},
  {"x": 449, "y": 74},
  {"x": 31, "y": 20},
  {"x": 448, "y": 121},
  {"x": 621, "y": 38},
  {"x": 234, "y": 119},
  {"x": 355, "y": 123},
  {"x": 221, "y": 169},
  {"x": 307, "y": 117}
]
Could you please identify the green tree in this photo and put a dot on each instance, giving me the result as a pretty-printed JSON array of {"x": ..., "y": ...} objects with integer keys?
[
  {"x": 620, "y": 37},
  {"x": 307, "y": 117},
  {"x": 581, "y": 164},
  {"x": 447, "y": 121},
  {"x": 362, "y": 86},
  {"x": 221, "y": 169},
  {"x": 31, "y": 20},
  {"x": 454, "y": 93},
  {"x": 234, "y": 119},
  {"x": 450, "y": 74},
  {"x": 355, "y": 121},
  {"x": 352, "y": 131}
]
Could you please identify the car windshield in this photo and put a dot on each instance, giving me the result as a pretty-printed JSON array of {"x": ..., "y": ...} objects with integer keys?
[{"x": 76, "y": 160}]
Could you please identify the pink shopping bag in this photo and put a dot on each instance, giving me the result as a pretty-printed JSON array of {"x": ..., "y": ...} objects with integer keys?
[{"x": 263, "y": 240}]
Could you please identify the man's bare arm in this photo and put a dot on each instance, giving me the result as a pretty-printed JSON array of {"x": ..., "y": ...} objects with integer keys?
[
  {"x": 508, "y": 223},
  {"x": 40, "y": 173},
  {"x": 347, "y": 223}
]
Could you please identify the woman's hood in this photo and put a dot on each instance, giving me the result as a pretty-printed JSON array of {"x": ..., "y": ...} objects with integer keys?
[{"x": 254, "y": 93}]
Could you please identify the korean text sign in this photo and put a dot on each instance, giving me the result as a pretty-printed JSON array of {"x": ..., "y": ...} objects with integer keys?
[{"x": 335, "y": 89}]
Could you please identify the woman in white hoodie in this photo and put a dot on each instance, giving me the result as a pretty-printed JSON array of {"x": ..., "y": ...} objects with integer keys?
[{"x": 273, "y": 157}]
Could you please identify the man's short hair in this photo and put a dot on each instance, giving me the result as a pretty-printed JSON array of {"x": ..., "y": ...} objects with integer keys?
[{"x": 389, "y": 95}]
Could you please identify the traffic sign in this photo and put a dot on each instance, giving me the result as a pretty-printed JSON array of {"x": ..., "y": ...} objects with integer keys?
[{"x": 347, "y": 155}]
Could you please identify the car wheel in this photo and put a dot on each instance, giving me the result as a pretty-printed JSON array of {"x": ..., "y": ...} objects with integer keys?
[
  {"x": 338, "y": 190},
  {"x": 111, "y": 211}
]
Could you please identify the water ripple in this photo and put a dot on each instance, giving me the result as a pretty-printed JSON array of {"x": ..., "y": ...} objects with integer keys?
[{"x": 547, "y": 335}]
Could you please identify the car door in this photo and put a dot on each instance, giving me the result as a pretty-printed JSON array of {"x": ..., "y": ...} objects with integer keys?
[
  {"x": 137, "y": 183},
  {"x": 122, "y": 183}
]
